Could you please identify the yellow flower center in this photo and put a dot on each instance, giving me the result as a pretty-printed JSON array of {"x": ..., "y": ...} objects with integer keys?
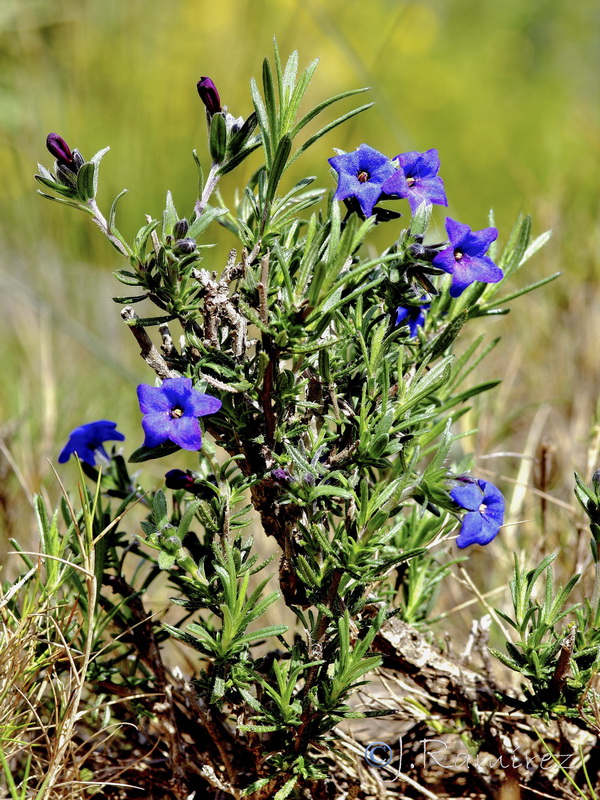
[
  {"x": 176, "y": 413},
  {"x": 458, "y": 255}
]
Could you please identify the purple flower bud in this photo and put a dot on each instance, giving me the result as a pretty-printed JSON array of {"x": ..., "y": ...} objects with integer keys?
[
  {"x": 209, "y": 95},
  {"x": 183, "y": 247},
  {"x": 178, "y": 479},
  {"x": 180, "y": 228},
  {"x": 281, "y": 475},
  {"x": 59, "y": 149}
]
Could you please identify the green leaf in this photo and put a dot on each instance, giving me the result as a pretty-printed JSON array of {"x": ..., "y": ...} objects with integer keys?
[
  {"x": 97, "y": 157},
  {"x": 235, "y": 160},
  {"x": 281, "y": 156},
  {"x": 517, "y": 245},
  {"x": 286, "y": 789},
  {"x": 256, "y": 785},
  {"x": 331, "y": 491},
  {"x": 263, "y": 633},
  {"x": 148, "y": 453},
  {"x": 269, "y": 90},
  {"x": 421, "y": 219},
  {"x": 87, "y": 181},
  {"x": 322, "y": 106},
  {"x": 202, "y": 222},
  {"x": 56, "y": 187},
  {"x": 125, "y": 300},
  {"x": 263, "y": 121},
  {"x": 146, "y": 322},
  {"x": 73, "y": 203},
  {"x": 218, "y": 138},
  {"x": 239, "y": 139},
  {"x": 520, "y": 292},
  {"x": 166, "y": 560},
  {"x": 126, "y": 277},
  {"x": 327, "y": 129},
  {"x": 113, "y": 209},
  {"x": 170, "y": 217},
  {"x": 142, "y": 236}
]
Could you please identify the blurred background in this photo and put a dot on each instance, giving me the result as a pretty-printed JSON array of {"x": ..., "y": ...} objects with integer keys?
[{"x": 508, "y": 94}]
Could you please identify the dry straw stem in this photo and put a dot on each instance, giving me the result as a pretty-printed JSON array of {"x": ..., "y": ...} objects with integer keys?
[{"x": 31, "y": 682}]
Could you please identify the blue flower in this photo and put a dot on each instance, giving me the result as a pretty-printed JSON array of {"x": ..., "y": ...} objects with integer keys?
[
  {"x": 87, "y": 441},
  {"x": 413, "y": 316},
  {"x": 485, "y": 505},
  {"x": 417, "y": 179},
  {"x": 465, "y": 258},
  {"x": 361, "y": 174},
  {"x": 171, "y": 412}
]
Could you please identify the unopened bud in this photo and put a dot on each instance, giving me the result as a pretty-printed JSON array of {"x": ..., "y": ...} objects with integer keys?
[
  {"x": 281, "y": 475},
  {"x": 66, "y": 175},
  {"x": 183, "y": 247},
  {"x": 209, "y": 95},
  {"x": 59, "y": 149},
  {"x": 180, "y": 229},
  {"x": 425, "y": 252},
  {"x": 178, "y": 479}
]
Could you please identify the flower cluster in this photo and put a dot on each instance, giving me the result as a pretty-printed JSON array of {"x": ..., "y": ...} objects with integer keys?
[
  {"x": 367, "y": 176},
  {"x": 170, "y": 411}
]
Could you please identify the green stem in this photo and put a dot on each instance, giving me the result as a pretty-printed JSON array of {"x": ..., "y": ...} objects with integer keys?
[{"x": 112, "y": 234}]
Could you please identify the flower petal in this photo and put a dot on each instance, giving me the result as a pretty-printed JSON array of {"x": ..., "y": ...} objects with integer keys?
[
  {"x": 472, "y": 531},
  {"x": 152, "y": 399},
  {"x": 457, "y": 232},
  {"x": 396, "y": 184},
  {"x": 467, "y": 495},
  {"x": 445, "y": 260},
  {"x": 367, "y": 196},
  {"x": 493, "y": 501},
  {"x": 88, "y": 438},
  {"x": 157, "y": 427},
  {"x": 176, "y": 390},
  {"x": 185, "y": 432},
  {"x": 478, "y": 242},
  {"x": 198, "y": 404},
  {"x": 473, "y": 268}
]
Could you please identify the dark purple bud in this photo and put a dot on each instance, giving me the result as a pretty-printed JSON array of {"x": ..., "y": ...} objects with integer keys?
[
  {"x": 78, "y": 160},
  {"x": 183, "y": 247},
  {"x": 178, "y": 479},
  {"x": 209, "y": 95},
  {"x": 59, "y": 149},
  {"x": 180, "y": 228},
  {"x": 425, "y": 252},
  {"x": 309, "y": 479}
]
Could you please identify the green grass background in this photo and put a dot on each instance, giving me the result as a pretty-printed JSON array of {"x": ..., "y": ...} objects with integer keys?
[{"x": 507, "y": 91}]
